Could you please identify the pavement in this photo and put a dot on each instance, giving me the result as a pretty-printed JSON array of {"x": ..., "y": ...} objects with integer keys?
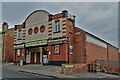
[
  {"x": 55, "y": 71},
  {"x": 95, "y": 75},
  {"x": 50, "y": 71}
]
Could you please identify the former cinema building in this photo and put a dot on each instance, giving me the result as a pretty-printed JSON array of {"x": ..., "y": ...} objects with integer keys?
[{"x": 44, "y": 38}]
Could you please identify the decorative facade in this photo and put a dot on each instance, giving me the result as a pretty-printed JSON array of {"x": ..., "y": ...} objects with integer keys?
[{"x": 44, "y": 38}]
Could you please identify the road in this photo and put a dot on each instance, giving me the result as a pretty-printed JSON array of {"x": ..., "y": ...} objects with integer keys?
[
  {"x": 6, "y": 73},
  {"x": 10, "y": 71}
]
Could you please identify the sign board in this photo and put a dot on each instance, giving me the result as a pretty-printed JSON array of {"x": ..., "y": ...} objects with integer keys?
[
  {"x": 36, "y": 43},
  {"x": 45, "y": 59},
  {"x": 69, "y": 66},
  {"x": 58, "y": 41},
  {"x": 19, "y": 46},
  {"x": 28, "y": 58}
]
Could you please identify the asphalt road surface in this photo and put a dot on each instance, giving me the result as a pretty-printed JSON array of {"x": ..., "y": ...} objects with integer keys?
[{"x": 6, "y": 73}]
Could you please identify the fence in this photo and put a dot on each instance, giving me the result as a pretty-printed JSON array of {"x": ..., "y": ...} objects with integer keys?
[{"x": 110, "y": 66}]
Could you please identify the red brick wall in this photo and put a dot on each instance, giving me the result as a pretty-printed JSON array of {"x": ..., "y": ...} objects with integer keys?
[
  {"x": 108, "y": 54},
  {"x": 18, "y": 58},
  {"x": 78, "y": 68},
  {"x": 64, "y": 53},
  {"x": 79, "y": 47},
  {"x": 70, "y": 32},
  {"x": 113, "y": 53},
  {"x": 9, "y": 39},
  {"x": 63, "y": 56},
  {"x": 94, "y": 52}
]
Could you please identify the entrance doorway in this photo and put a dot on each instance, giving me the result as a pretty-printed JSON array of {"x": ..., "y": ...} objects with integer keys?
[
  {"x": 32, "y": 60},
  {"x": 38, "y": 57},
  {"x": 35, "y": 58},
  {"x": 35, "y": 55}
]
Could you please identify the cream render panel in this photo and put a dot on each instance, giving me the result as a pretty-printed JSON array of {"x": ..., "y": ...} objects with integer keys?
[
  {"x": 39, "y": 35},
  {"x": 60, "y": 34},
  {"x": 37, "y": 19}
]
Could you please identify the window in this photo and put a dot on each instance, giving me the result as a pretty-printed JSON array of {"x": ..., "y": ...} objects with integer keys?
[
  {"x": 57, "y": 49},
  {"x": 18, "y": 52},
  {"x": 57, "y": 26},
  {"x": 70, "y": 30},
  {"x": 19, "y": 34},
  {"x": 42, "y": 28},
  {"x": 30, "y": 31},
  {"x": 36, "y": 30},
  {"x": 70, "y": 49}
]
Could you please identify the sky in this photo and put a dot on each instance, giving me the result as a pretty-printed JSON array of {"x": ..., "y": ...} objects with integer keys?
[{"x": 98, "y": 18}]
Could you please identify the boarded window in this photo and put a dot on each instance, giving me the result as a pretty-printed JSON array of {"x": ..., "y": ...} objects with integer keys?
[
  {"x": 18, "y": 52},
  {"x": 57, "y": 49}
]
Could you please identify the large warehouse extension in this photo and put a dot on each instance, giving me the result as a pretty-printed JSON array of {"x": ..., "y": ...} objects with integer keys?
[{"x": 45, "y": 38}]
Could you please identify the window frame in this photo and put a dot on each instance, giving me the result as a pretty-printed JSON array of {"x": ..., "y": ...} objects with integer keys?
[
  {"x": 20, "y": 52},
  {"x": 70, "y": 49},
  {"x": 57, "y": 26},
  {"x": 57, "y": 46},
  {"x": 19, "y": 34}
]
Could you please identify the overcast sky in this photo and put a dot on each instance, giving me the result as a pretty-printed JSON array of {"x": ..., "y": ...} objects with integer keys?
[{"x": 98, "y": 18}]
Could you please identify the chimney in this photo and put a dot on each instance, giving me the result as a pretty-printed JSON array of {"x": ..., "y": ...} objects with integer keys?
[
  {"x": 5, "y": 26},
  {"x": 50, "y": 17},
  {"x": 65, "y": 13}
]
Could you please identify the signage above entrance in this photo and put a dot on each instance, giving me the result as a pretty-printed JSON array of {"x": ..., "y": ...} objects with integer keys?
[
  {"x": 36, "y": 43},
  {"x": 58, "y": 41},
  {"x": 18, "y": 46}
]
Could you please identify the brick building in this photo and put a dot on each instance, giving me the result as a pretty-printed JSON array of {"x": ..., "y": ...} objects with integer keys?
[
  {"x": 1, "y": 46},
  {"x": 44, "y": 38},
  {"x": 7, "y": 43}
]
